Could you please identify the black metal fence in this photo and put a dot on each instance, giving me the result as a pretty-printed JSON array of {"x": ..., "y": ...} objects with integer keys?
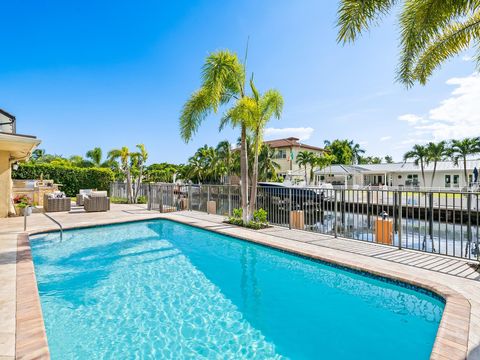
[{"x": 432, "y": 221}]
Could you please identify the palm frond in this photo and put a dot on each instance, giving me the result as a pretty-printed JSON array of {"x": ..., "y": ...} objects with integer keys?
[
  {"x": 355, "y": 16},
  {"x": 454, "y": 39},
  {"x": 195, "y": 110}
]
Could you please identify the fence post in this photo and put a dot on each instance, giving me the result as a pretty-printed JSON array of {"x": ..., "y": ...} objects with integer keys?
[
  {"x": 469, "y": 223},
  {"x": 368, "y": 209},
  {"x": 161, "y": 199},
  {"x": 335, "y": 213},
  {"x": 400, "y": 214},
  {"x": 289, "y": 208},
  {"x": 189, "y": 195},
  {"x": 229, "y": 200},
  {"x": 149, "y": 196}
]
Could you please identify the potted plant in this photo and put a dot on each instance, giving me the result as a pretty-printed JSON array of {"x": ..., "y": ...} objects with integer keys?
[{"x": 22, "y": 204}]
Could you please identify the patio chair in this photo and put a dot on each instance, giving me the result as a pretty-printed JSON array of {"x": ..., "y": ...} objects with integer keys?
[
  {"x": 55, "y": 202},
  {"x": 96, "y": 201},
  {"x": 81, "y": 196}
]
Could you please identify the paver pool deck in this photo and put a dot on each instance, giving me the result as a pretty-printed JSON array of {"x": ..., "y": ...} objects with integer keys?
[{"x": 22, "y": 333}]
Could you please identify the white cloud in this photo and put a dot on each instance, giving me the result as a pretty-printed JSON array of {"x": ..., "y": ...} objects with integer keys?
[
  {"x": 457, "y": 116},
  {"x": 467, "y": 58},
  {"x": 303, "y": 133},
  {"x": 385, "y": 138},
  {"x": 410, "y": 118}
]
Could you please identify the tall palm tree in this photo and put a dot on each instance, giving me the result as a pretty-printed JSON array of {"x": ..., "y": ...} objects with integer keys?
[
  {"x": 259, "y": 109},
  {"x": 431, "y": 31},
  {"x": 462, "y": 149},
  {"x": 304, "y": 158},
  {"x": 223, "y": 82},
  {"x": 435, "y": 153},
  {"x": 140, "y": 158},
  {"x": 314, "y": 162},
  {"x": 95, "y": 155},
  {"x": 419, "y": 155}
]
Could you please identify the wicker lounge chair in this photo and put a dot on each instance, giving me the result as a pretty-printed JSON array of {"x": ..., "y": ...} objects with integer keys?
[
  {"x": 81, "y": 196},
  {"x": 55, "y": 204},
  {"x": 96, "y": 202}
]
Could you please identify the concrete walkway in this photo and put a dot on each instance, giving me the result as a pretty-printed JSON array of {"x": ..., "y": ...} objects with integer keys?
[{"x": 461, "y": 276}]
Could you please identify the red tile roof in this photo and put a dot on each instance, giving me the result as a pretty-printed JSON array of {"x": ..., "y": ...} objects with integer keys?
[{"x": 290, "y": 142}]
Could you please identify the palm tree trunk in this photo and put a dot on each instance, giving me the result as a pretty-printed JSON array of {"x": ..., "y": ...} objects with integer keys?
[
  {"x": 253, "y": 191},
  {"x": 244, "y": 174},
  {"x": 129, "y": 187},
  {"x": 423, "y": 172},
  {"x": 465, "y": 170},
  {"x": 433, "y": 174}
]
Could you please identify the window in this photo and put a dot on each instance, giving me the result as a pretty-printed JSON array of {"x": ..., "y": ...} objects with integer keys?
[
  {"x": 456, "y": 180},
  {"x": 412, "y": 180},
  {"x": 448, "y": 180},
  {"x": 281, "y": 154}
]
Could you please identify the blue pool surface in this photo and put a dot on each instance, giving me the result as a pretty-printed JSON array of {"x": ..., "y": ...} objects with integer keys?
[{"x": 164, "y": 290}]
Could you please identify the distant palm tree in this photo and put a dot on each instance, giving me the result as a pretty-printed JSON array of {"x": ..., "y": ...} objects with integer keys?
[
  {"x": 435, "y": 153},
  {"x": 226, "y": 155},
  {"x": 419, "y": 155},
  {"x": 431, "y": 31},
  {"x": 267, "y": 166},
  {"x": 462, "y": 149},
  {"x": 123, "y": 155},
  {"x": 95, "y": 155},
  {"x": 357, "y": 152},
  {"x": 38, "y": 155},
  {"x": 304, "y": 158}
]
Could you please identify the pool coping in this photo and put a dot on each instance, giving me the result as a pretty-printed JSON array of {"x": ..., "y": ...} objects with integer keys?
[{"x": 451, "y": 341}]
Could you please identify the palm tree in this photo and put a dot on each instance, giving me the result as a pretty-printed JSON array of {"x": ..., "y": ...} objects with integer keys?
[
  {"x": 304, "y": 158},
  {"x": 431, "y": 31},
  {"x": 259, "y": 109},
  {"x": 463, "y": 149},
  {"x": 226, "y": 157},
  {"x": 139, "y": 158},
  {"x": 356, "y": 151},
  {"x": 314, "y": 162},
  {"x": 223, "y": 82},
  {"x": 38, "y": 155},
  {"x": 267, "y": 166},
  {"x": 419, "y": 155},
  {"x": 435, "y": 153},
  {"x": 123, "y": 155},
  {"x": 95, "y": 155}
]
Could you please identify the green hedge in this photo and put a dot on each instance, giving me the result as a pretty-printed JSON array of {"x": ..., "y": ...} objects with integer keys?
[{"x": 72, "y": 178}]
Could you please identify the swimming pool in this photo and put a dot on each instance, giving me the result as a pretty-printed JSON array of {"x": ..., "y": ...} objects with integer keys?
[{"x": 160, "y": 289}]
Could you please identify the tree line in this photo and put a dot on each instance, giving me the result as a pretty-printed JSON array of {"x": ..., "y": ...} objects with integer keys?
[{"x": 432, "y": 153}]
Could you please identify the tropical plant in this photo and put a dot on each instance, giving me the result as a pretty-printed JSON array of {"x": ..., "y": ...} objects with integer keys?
[
  {"x": 267, "y": 166},
  {"x": 223, "y": 83},
  {"x": 419, "y": 155},
  {"x": 431, "y": 31},
  {"x": 436, "y": 152},
  {"x": 462, "y": 149},
  {"x": 258, "y": 109},
  {"x": 95, "y": 155},
  {"x": 138, "y": 160},
  {"x": 124, "y": 157},
  {"x": 356, "y": 151},
  {"x": 304, "y": 158},
  {"x": 341, "y": 149},
  {"x": 388, "y": 159}
]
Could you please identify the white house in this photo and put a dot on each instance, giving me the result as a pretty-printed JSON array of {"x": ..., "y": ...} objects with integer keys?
[{"x": 447, "y": 174}]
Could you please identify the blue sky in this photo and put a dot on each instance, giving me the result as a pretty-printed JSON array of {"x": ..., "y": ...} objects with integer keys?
[{"x": 115, "y": 73}]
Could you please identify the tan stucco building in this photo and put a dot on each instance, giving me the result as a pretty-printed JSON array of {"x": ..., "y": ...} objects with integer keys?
[
  {"x": 286, "y": 156},
  {"x": 13, "y": 148}
]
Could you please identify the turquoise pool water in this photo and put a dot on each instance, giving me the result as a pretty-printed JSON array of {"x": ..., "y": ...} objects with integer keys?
[{"x": 160, "y": 290}]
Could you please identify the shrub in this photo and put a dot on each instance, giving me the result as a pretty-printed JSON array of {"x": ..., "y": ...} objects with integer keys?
[
  {"x": 142, "y": 199},
  {"x": 72, "y": 179},
  {"x": 260, "y": 216}
]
